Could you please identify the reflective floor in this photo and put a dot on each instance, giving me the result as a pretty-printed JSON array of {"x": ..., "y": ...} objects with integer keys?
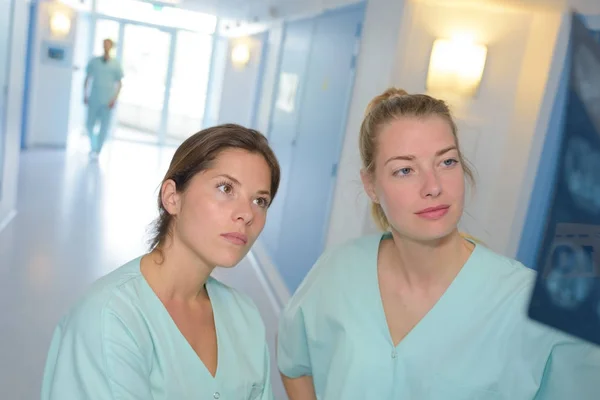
[{"x": 78, "y": 220}]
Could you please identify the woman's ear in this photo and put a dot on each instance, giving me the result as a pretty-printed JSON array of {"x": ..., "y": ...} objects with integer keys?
[
  {"x": 369, "y": 185},
  {"x": 170, "y": 197}
]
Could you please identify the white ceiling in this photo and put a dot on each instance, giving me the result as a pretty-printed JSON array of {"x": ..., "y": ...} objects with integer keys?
[
  {"x": 582, "y": 6},
  {"x": 260, "y": 11}
]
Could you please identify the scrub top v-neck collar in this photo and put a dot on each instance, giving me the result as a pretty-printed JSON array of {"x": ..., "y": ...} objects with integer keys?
[
  {"x": 182, "y": 343},
  {"x": 427, "y": 329}
]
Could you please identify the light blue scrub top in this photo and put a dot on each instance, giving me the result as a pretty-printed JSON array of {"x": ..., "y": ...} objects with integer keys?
[
  {"x": 476, "y": 342},
  {"x": 105, "y": 76},
  {"x": 120, "y": 342}
]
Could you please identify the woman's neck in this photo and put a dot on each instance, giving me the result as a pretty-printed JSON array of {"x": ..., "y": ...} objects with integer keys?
[
  {"x": 176, "y": 273},
  {"x": 423, "y": 264}
]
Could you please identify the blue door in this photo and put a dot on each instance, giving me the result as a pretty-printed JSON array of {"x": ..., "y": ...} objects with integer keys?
[
  {"x": 284, "y": 121},
  {"x": 308, "y": 135}
]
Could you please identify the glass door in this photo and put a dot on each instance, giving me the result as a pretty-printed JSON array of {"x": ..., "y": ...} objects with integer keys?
[
  {"x": 145, "y": 59},
  {"x": 188, "y": 85},
  {"x": 166, "y": 55}
]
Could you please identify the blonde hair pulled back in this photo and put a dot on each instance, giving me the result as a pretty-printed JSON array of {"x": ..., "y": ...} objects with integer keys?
[{"x": 391, "y": 105}]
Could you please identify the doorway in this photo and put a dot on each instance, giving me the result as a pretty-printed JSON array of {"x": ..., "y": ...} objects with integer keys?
[
  {"x": 166, "y": 56},
  {"x": 308, "y": 124}
]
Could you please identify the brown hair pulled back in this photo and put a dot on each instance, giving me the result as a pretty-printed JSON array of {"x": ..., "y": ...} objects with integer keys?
[{"x": 197, "y": 153}]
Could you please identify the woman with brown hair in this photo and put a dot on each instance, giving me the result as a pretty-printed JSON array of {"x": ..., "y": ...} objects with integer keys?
[
  {"x": 421, "y": 311},
  {"x": 160, "y": 327}
]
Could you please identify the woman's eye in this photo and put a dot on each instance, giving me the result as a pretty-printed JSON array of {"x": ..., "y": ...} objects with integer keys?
[
  {"x": 449, "y": 162},
  {"x": 403, "y": 171},
  {"x": 262, "y": 202},
  {"x": 225, "y": 188}
]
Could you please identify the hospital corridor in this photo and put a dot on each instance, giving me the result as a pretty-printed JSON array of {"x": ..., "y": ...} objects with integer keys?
[{"x": 97, "y": 96}]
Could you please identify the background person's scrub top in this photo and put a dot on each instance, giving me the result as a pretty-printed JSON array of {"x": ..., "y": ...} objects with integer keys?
[
  {"x": 121, "y": 343},
  {"x": 475, "y": 343},
  {"x": 105, "y": 74}
]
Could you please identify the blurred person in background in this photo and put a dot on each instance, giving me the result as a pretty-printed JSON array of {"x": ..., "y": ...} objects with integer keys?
[{"x": 105, "y": 74}]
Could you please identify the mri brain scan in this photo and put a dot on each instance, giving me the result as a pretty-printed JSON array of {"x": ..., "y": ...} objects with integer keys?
[
  {"x": 582, "y": 164},
  {"x": 586, "y": 69},
  {"x": 568, "y": 280}
]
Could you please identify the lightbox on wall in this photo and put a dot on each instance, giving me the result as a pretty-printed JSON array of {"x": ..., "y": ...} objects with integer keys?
[{"x": 456, "y": 66}]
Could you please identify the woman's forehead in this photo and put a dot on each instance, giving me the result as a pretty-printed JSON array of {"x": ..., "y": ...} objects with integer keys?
[{"x": 415, "y": 136}]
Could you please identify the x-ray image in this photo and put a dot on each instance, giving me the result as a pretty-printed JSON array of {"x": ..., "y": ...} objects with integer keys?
[
  {"x": 581, "y": 172},
  {"x": 567, "y": 291},
  {"x": 570, "y": 268},
  {"x": 587, "y": 76}
]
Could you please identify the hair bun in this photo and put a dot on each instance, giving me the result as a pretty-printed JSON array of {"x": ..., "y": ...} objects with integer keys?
[{"x": 390, "y": 93}]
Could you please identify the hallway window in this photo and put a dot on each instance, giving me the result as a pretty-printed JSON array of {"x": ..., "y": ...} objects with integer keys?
[
  {"x": 189, "y": 85},
  {"x": 145, "y": 60},
  {"x": 141, "y": 11}
]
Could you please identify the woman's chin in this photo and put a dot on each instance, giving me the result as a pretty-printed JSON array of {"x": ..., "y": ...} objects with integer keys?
[
  {"x": 430, "y": 234},
  {"x": 230, "y": 260}
]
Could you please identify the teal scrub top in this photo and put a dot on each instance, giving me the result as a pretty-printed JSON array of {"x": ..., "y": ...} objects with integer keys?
[
  {"x": 105, "y": 75},
  {"x": 120, "y": 342},
  {"x": 475, "y": 343}
]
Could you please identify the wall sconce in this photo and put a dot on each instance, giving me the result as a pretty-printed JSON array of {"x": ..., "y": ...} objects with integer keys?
[
  {"x": 456, "y": 66},
  {"x": 240, "y": 54},
  {"x": 60, "y": 23}
]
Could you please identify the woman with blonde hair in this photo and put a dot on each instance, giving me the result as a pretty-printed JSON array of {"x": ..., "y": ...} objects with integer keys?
[{"x": 421, "y": 311}]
